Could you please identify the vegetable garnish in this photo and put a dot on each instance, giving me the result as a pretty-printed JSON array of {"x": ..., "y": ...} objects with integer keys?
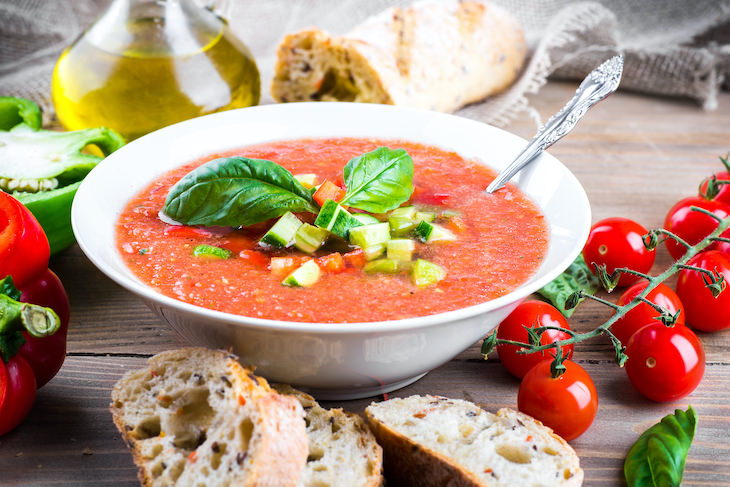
[
  {"x": 44, "y": 168},
  {"x": 658, "y": 457},
  {"x": 238, "y": 191},
  {"x": 379, "y": 181}
]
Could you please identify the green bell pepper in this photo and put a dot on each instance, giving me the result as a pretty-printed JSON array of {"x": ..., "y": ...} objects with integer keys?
[{"x": 44, "y": 168}]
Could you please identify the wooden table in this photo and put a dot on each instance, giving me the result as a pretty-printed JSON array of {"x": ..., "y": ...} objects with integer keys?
[{"x": 635, "y": 155}]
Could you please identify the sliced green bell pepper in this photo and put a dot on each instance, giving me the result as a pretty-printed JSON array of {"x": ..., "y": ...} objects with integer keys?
[{"x": 44, "y": 168}]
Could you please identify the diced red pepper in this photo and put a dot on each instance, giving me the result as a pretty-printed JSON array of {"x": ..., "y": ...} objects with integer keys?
[
  {"x": 355, "y": 259},
  {"x": 259, "y": 259},
  {"x": 331, "y": 263},
  {"x": 186, "y": 231},
  {"x": 340, "y": 181},
  {"x": 328, "y": 191}
]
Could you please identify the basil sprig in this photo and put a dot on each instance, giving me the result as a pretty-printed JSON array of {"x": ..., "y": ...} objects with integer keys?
[
  {"x": 236, "y": 191},
  {"x": 657, "y": 458},
  {"x": 575, "y": 278},
  {"x": 379, "y": 181}
]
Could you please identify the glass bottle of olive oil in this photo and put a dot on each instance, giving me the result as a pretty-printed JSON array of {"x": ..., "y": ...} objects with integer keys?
[{"x": 145, "y": 64}]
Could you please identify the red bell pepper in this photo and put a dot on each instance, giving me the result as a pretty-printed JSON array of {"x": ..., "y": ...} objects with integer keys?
[
  {"x": 46, "y": 354},
  {"x": 17, "y": 392},
  {"x": 24, "y": 249},
  {"x": 33, "y": 316},
  {"x": 17, "y": 376}
]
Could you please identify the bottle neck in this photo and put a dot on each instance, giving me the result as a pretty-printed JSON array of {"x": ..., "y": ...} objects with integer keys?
[{"x": 155, "y": 27}]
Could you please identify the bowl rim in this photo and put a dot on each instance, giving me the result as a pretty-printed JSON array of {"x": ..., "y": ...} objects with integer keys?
[{"x": 145, "y": 292}]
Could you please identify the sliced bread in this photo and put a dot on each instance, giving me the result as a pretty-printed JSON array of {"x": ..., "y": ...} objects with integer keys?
[
  {"x": 436, "y": 441},
  {"x": 342, "y": 450},
  {"x": 196, "y": 417},
  {"x": 433, "y": 55}
]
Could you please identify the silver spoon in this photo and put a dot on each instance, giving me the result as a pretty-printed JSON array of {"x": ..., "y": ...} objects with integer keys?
[{"x": 599, "y": 83}]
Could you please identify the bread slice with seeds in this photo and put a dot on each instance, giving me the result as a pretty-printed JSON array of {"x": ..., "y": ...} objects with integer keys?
[
  {"x": 342, "y": 449},
  {"x": 196, "y": 417},
  {"x": 436, "y": 441}
]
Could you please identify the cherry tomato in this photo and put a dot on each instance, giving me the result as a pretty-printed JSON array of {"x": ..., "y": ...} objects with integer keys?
[
  {"x": 46, "y": 355},
  {"x": 665, "y": 363},
  {"x": 704, "y": 311},
  {"x": 643, "y": 314},
  {"x": 567, "y": 404},
  {"x": 17, "y": 392},
  {"x": 723, "y": 194},
  {"x": 693, "y": 226},
  {"x": 24, "y": 248},
  {"x": 618, "y": 242},
  {"x": 531, "y": 314}
]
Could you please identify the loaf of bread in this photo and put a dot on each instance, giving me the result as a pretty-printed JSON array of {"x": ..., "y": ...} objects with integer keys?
[
  {"x": 342, "y": 450},
  {"x": 432, "y": 55},
  {"x": 435, "y": 441},
  {"x": 197, "y": 417}
]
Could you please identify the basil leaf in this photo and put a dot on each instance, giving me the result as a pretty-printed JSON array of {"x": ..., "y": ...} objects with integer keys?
[
  {"x": 379, "y": 181},
  {"x": 658, "y": 456},
  {"x": 576, "y": 277},
  {"x": 236, "y": 191}
]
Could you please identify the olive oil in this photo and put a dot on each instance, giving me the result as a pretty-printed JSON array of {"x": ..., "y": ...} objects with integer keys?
[{"x": 138, "y": 73}]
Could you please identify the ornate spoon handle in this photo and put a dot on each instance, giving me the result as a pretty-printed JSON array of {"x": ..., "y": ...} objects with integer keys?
[{"x": 599, "y": 83}]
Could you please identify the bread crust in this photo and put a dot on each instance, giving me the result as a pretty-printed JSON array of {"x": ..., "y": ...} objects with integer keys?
[
  {"x": 410, "y": 463},
  {"x": 277, "y": 445},
  {"x": 432, "y": 55}
]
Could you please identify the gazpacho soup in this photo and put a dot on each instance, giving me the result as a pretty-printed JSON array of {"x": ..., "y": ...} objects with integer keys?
[{"x": 332, "y": 230}]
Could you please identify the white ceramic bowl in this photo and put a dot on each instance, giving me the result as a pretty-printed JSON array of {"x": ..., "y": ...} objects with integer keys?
[{"x": 333, "y": 361}]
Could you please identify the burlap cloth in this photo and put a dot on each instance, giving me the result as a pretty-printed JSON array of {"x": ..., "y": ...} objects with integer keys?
[{"x": 677, "y": 48}]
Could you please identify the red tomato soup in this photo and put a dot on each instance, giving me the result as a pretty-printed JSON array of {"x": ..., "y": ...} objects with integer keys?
[{"x": 501, "y": 241}]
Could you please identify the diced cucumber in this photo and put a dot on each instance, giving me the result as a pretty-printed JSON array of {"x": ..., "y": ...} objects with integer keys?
[
  {"x": 374, "y": 251},
  {"x": 370, "y": 235},
  {"x": 407, "y": 212},
  {"x": 283, "y": 231},
  {"x": 307, "y": 180},
  {"x": 433, "y": 232},
  {"x": 211, "y": 251},
  {"x": 304, "y": 276},
  {"x": 386, "y": 266},
  {"x": 334, "y": 218},
  {"x": 425, "y": 216},
  {"x": 365, "y": 219},
  {"x": 309, "y": 238},
  {"x": 401, "y": 226},
  {"x": 401, "y": 249},
  {"x": 425, "y": 273}
]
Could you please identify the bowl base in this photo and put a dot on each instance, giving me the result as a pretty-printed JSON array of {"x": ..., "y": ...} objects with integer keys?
[{"x": 358, "y": 393}]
